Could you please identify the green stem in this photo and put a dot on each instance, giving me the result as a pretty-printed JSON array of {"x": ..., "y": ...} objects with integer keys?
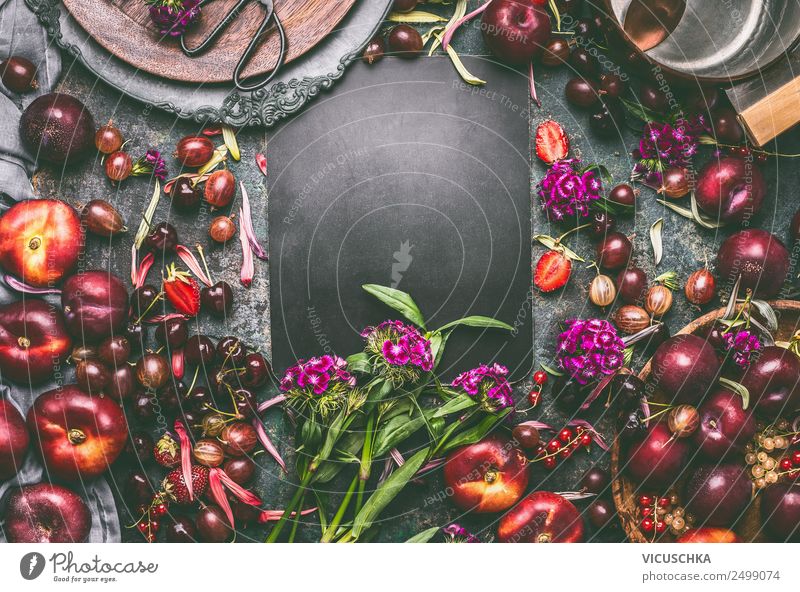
[
  {"x": 296, "y": 519},
  {"x": 568, "y": 232},
  {"x": 328, "y": 535},
  {"x": 293, "y": 504}
]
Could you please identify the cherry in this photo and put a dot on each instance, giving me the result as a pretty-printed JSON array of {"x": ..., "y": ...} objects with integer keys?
[
  {"x": 142, "y": 301},
  {"x": 170, "y": 397},
  {"x": 527, "y": 436},
  {"x": 217, "y": 299},
  {"x": 137, "y": 489},
  {"x": 581, "y": 93},
  {"x": 612, "y": 85},
  {"x": 172, "y": 332},
  {"x": 185, "y": 196},
  {"x": 600, "y": 513},
  {"x": 122, "y": 382},
  {"x": 583, "y": 62},
  {"x": 200, "y": 398},
  {"x": 623, "y": 194},
  {"x": 595, "y": 480},
  {"x": 163, "y": 238},
  {"x": 725, "y": 126},
  {"x": 213, "y": 525},
  {"x": 614, "y": 251},
  {"x": 652, "y": 98},
  {"x": 139, "y": 447},
  {"x": 246, "y": 403},
  {"x": 374, "y": 51},
  {"x": 405, "y": 41},
  {"x": 404, "y": 5},
  {"x": 92, "y": 376},
  {"x": 556, "y": 52},
  {"x": 256, "y": 370},
  {"x": 603, "y": 223},
  {"x": 633, "y": 425},
  {"x": 241, "y": 470},
  {"x": 231, "y": 351},
  {"x": 199, "y": 350},
  {"x": 114, "y": 351},
  {"x": 632, "y": 284},
  {"x": 607, "y": 118},
  {"x": 18, "y": 74},
  {"x": 142, "y": 406}
]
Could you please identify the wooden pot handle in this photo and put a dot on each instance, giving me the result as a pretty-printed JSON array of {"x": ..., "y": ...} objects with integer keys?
[{"x": 769, "y": 117}]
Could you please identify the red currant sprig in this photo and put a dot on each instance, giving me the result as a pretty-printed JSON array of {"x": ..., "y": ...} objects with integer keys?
[
  {"x": 562, "y": 446},
  {"x": 148, "y": 523}
]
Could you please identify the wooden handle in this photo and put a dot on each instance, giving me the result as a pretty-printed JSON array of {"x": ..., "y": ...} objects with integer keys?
[{"x": 772, "y": 115}]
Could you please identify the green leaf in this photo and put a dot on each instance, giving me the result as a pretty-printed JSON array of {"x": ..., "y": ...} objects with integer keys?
[
  {"x": 387, "y": 491},
  {"x": 359, "y": 363},
  {"x": 551, "y": 243},
  {"x": 397, "y": 430},
  {"x": 477, "y": 321},
  {"x": 739, "y": 389},
  {"x": 606, "y": 205},
  {"x": 475, "y": 433},
  {"x": 229, "y": 137},
  {"x": 438, "y": 341},
  {"x": 767, "y": 312},
  {"x": 551, "y": 371},
  {"x": 399, "y": 301},
  {"x": 656, "y": 241},
  {"x": 455, "y": 405},
  {"x": 424, "y": 536},
  {"x": 702, "y": 219},
  {"x": 641, "y": 112},
  {"x": 144, "y": 225},
  {"x": 347, "y": 451}
]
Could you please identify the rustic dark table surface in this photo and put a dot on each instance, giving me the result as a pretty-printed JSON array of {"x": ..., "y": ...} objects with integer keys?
[{"x": 686, "y": 248}]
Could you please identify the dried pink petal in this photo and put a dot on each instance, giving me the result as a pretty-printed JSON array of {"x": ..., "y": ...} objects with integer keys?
[
  {"x": 264, "y": 405},
  {"x": 448, "y": 34},
  {"x": 261, "y": 161},
  {"x": 246, "y": 225},
  {"x": 193, "y": 264},
  {"x": 186, "y": 456},
  {"x": 267, "y": 443},
  {"x": 178, "y": 365},
  {"x": 248, "y": 269},
  {"x": 272, "y": 515}
]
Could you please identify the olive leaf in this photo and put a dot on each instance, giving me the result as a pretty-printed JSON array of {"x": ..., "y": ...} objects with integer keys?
[
  {"x": 399, "y": 301},
  {"x": 767, "y": 312},
  {"x": 415, "y": 16},
  {"x": 144, "y": 225},
  {"x": 550, "y": 370},
  {"x": 739, "y": 389},
  {"x": 387, "y": 491},
  {"x": 476, "y": 321},
  {"x": 701, "y": 218},
  {"x": 685, "y": 212},
  {"x": 465, "y": 74},
  {"x": 424, "y": 536},
  {"x": 656, "y": 240}
]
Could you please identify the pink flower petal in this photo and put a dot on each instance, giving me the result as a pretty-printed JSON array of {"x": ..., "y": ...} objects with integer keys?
[
  {"x": 186, "y": 456},
  {"x": 193, "y": 264},
  {"x": 248, "y": 269},
  {"x": 178, "y": 365},
  {"x": 264, "y": 405},
  {"x": 397, "y": 457},
  {"x": 246, "y": 225},
  {"x": 261, "y": 161},
  {"x": 448, "y": 34},
  {"x": 538, "y": 425},
  {"x": 595, "y": 434},
  {"x": 267, "y": 443},
  {"x": 24, "y": 288},
  {"x": 272, "y": 515},
  {"x": 217, "y": 492}
]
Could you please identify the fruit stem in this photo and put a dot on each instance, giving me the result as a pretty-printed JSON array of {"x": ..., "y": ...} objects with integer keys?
[
  {"x": 76, "y": 436},
  {"x": 276, "y": 530},
  {"x": 203, "y": 259},
  {"x": 149, "y": 307}
]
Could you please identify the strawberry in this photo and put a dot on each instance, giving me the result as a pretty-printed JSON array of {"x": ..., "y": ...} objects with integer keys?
[
  {"x": 174, "y": 485},
  {"x": 167, "y": 452},
  {"x": 552, "y": 271},
  {"x": 182, "y": 291},
  {"x": 552, "y": 143}
]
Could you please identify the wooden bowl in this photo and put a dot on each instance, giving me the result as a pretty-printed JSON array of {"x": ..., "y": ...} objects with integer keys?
[
  {"x": 624, "y": 490},
  {"x": 124, "y": 29}
]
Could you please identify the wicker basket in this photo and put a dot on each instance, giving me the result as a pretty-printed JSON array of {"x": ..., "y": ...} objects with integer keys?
[{"x": 624, "y": 490}]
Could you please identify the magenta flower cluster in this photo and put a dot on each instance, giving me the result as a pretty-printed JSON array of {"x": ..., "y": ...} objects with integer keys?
[
  {"x": 567, "y": 191},
  {"x": 488, "y": 384},
  {"x": 317, "y": 375},
  {"x": 401, "y": 345},
  {"x": 455, "y": 533},
  {"x": 154, "y": 160},
  {"x": 665, "y": 145},
  {"x": 742, "y": 346},
  {"x": 589, "y": 349},
  {"x": 172, "y": 17}
]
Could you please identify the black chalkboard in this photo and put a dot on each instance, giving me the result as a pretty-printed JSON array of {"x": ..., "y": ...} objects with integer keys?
[{"x": 404, "y": 176}]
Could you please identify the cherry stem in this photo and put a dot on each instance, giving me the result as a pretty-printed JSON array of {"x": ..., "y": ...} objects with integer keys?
[
  {"x": 205, "y": 265},
  {"x": 568, "y": 232},
  {"x": 149, "y": 307}
]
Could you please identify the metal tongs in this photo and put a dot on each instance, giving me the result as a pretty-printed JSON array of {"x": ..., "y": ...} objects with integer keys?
[{"x": 270, "y": 17}]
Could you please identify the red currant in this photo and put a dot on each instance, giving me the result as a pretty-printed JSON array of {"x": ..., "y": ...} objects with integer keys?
[
  {"x": 540, "y": 377},
  {"x": 534, "y": 397},
  {"x": 565, "y": 435},
  {"x": 796, "y": 458},
  {"x": 663, "y": 502},
  {"x": 154, "y": 525},
  {"x": 648, "y": 525},
  {"x": 786, "y": 464},
  {"x": 150, "y": 538},
  {"x": 645, "y": 501},
  {"x": 160, "y": 509},
  {"x": 586, "y": 439},
  {"x": 566, "y": 452},
  {"x": 143, "y": 526},
  {"x": 550, "y": 462},
  {"x": 647, "y": 512},
  {"x": 793, "y": 475},
  {"x": 661, "y": 527},
  {"x": 540, "y": 449},
  {"x": 553, "y": 446}
]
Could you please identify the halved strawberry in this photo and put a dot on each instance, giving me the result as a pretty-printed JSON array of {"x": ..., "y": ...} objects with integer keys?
[
  {"x": 552, "y": 143},
  {"x": 552, "y": 271},
  {"x": 182, "y": 291}
]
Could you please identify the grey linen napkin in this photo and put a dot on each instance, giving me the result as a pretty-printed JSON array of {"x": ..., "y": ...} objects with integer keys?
[{"x": 22, "y": 35}]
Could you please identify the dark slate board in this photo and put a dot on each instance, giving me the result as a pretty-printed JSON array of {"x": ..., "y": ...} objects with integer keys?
[{"x": 406, "y": 177}]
